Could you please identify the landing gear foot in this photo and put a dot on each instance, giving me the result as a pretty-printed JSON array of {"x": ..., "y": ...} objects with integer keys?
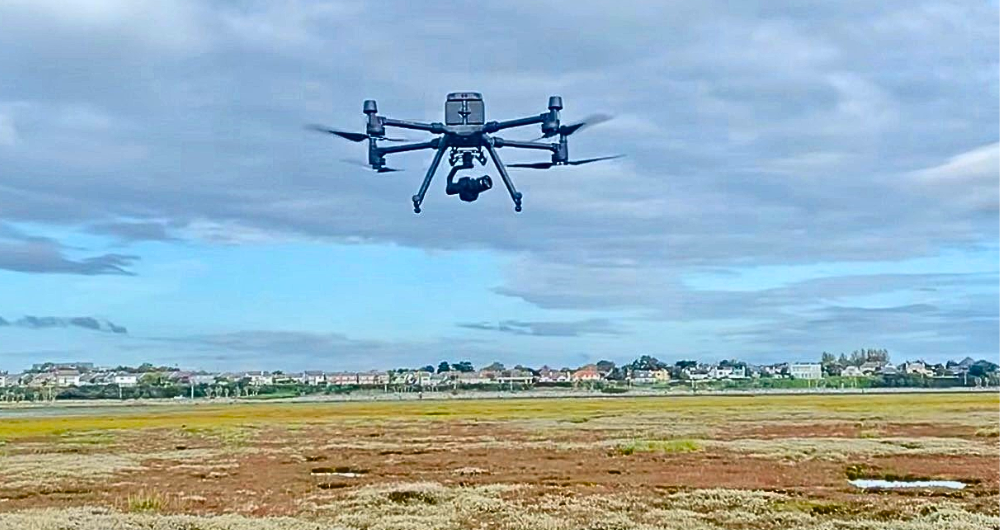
[{"x": 517, "y": 208}]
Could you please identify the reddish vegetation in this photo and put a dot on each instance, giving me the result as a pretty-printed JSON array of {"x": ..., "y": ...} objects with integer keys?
[{"x": 271, "y": 473}]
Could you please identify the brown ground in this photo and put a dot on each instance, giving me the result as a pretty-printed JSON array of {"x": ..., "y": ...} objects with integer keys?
[{"x": 285, "y": 469}]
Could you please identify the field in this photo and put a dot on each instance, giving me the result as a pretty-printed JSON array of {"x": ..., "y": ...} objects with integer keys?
[{"x": 613, "y": 463}]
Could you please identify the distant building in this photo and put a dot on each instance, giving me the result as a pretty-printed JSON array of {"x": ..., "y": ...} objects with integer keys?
[
  {"x": 515, "y": 376},
  {"x": 202, "y": 379},
  {"x": 587, "y": 373},
  {"x": 642, "y": 377},
  {"x": 126, "y": 380},
  {"x": 472, "y": 378},
  {"x": 67, "y": 378},
  {"x": 915, "y": 368},
  {"x": 548, "y": 375},
  {"x": 806, "y": 370},
  {"x": 870, "y": 367},
  {"x": 727, "y": 372},
  {"x": 342, "y": 378},
  {"x": 662, "y": 375},
  {"x": 259, "y": 378},
  {"x": 851, "y": 371},
  {"x": 315, "y": 377},
  {"x": 373, "y": 378},
  {"x": 889, "y": 369}
]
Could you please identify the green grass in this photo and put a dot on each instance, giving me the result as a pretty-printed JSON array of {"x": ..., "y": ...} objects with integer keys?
[
  {"x": 707, "y": 408},
  {"x": 988, "y": 432},
  {"x": 144, "y": 502}
]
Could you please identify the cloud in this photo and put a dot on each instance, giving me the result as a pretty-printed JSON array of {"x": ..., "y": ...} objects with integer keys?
[
  {"x": 91, "y": 323},
  {"x": 304, "y": 349},
  {"x": 970, "y": 180},
  {"x": 46, "y": 256},
  {"x": 754, "y": 160},
  {"x": 907, "y": 331},
  {"x": 756, "y": 136},
  {"x": 134, "y": 231},
  {"x": 598, "y": 326}
]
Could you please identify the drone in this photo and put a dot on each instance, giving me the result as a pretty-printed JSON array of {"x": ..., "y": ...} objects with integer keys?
[{"x": 465, "y": 133}]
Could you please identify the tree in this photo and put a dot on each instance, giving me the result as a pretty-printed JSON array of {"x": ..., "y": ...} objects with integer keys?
[
  {"x": 427, "y": 368},
  {"x": 495, "y": 367},
  {"x": 605, "y": 366},
  {"x": 526, "y": 369},
  {"x": 647, "y": 362},
  {"x": 443, "y": 367},
  {"x": 982, "y": 368},
  {"x": 464, "y": 366}
]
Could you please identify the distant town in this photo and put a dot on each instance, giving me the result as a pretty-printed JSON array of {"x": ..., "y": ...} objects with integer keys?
[{"x": 867, "y": 368}]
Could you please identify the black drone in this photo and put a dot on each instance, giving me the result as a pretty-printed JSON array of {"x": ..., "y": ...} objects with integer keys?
[{"x": 466, "y": 132}]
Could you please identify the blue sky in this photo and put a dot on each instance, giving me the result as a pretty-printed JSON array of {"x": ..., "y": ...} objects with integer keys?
[{"x": 796, "y": 180}]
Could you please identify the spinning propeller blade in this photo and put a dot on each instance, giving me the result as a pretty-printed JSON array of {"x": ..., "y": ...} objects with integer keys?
[
  {"x": 567, "y": 130},
  {"x": 382, "y": 169},
  {"x": 536, "y": 165},
  {"x": 547, "y": 165},
  {"x": 589, "y": 160},
  {"x": 352, "y": 136}
]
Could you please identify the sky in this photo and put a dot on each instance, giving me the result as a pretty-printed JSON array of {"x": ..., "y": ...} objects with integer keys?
[{"x": 798, "y": 177}]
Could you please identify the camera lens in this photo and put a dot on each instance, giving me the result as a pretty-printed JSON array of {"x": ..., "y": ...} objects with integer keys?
[{"x": 485, "y": 183}]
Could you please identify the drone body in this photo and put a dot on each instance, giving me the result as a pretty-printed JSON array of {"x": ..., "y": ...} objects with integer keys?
[{"x": 465, "y": 133}]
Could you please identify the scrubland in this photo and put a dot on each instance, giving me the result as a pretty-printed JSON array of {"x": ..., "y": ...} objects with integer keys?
[{"x": 614, "y": 463}]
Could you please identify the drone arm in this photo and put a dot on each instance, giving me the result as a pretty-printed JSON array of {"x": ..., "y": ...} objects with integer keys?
[
  {"x": 433, "y": 144},
  {"x": 419, "y": 197},
  {"x": 500, "y": 142},
  {"x": 435, "y": 128},
  {"x": 514, "y": 194},
  {"x": 495, "y": 126}
]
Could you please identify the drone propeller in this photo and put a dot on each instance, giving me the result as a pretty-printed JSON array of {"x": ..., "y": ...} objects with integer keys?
[
  {"x": 547, "y": 165},
  {"x": 567, "y": 130},
  {"x": 352, "y": 136},
  {"x": 382, "y": 169}
]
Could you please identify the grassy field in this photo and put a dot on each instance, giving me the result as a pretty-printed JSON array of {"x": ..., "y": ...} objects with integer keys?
[{"x": 647, "y": 463}]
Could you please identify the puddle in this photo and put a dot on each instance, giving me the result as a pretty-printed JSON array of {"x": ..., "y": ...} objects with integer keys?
[{"x": 899, "y": 484}]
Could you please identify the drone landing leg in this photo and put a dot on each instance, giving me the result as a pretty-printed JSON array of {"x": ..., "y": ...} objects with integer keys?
[
  {"x": 514, "y": 194},
  {"x": 419, "y": 197}
]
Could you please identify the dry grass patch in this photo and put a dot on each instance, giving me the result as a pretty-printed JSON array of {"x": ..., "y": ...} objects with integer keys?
[
  {"x": 658, "y": 446},
  {"x": 104, "y": 519},
  {"x": 840, "y": 449},
  {"x": 48, "y": 469}
]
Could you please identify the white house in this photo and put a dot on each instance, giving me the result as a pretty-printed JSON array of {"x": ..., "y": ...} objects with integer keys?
[
  {"x": 727, "y": 372},
  {"x": 915, "y": 367},
  {"x": 67, "y": 378},
  {"x": 643, "y": 377},
  {"x": 548, "y": 375},
  {"x": 373, "y": 378},
  {"x": 852, "y": 371},
  {"x": 472, "y": 378},
  {"x": 806, "y": 370},
  {"x": 342, "y": 378},
  {"x": 259, "y": 378},
  {"x": 126, "y": 379},
  {"x": 315, "y": 377},
  {"x": 515, "y": 376}
]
